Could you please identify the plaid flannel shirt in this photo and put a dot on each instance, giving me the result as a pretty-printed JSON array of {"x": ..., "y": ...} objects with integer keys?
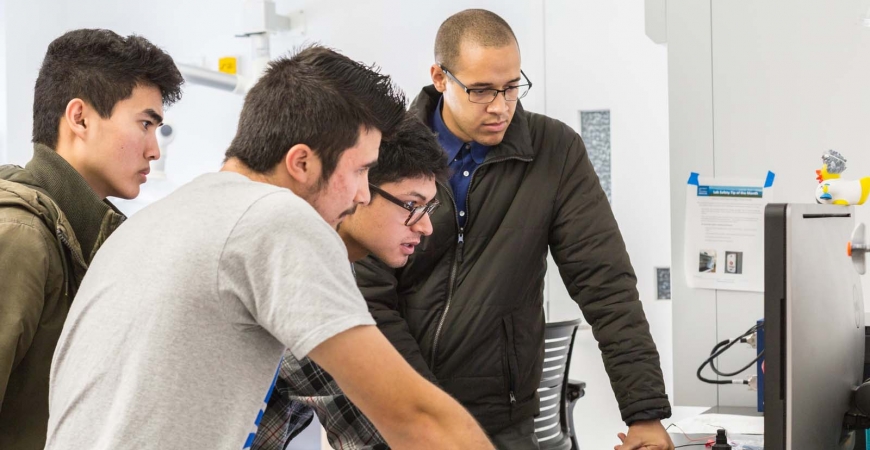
[{"x": 303, "y": 388}]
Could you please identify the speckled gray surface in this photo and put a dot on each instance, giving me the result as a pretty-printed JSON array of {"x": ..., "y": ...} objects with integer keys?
[
  {"x": 663, "y": 283},
  {"x": 595, "y": 130}
]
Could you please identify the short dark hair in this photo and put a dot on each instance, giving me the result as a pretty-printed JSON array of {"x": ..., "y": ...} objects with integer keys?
[
  {"x": 101, "y": 68},
  {"x": 477, "y": 26},
  {"x": 319, "y": 98},
  {"x": 412, "y": 152}
]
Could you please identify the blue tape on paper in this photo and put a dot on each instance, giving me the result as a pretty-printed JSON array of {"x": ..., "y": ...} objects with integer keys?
[{"x": 769, "y": 181}]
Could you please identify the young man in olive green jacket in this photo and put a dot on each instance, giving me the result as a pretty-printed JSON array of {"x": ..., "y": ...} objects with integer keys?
[{"x": 98, "y": 100}]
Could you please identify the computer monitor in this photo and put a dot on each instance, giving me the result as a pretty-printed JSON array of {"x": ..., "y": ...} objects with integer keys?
[{"x": 814, "y": 325}]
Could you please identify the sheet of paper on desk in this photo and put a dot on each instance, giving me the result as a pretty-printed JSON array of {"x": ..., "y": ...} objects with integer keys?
[{"x": 733, "y": 424}]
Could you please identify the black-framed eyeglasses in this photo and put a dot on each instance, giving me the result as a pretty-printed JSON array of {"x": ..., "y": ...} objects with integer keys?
[
  {"x": 417, "y": 212},
  {"x": 485, "y": 96}
]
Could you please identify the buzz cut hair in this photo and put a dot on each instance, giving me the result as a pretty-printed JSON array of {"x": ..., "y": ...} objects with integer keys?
[{"x": 475, "y": 26}]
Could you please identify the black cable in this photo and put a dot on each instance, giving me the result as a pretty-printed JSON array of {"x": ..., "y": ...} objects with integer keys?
[
  {"x": 741, "y": 340},
  {"x": 721, "y": 348},
  {"x": 733, "y": 374},
  {"x": 718, "y": 350}
]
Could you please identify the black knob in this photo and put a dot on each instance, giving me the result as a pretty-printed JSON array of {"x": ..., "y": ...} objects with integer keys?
[{"x": 721, "y": 441}]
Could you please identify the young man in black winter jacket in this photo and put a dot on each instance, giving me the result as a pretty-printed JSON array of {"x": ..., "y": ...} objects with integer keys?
[{"x": 467, "y": 309}]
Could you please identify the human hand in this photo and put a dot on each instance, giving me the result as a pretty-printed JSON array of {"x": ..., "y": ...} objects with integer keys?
[{"x": 647, "y": 434}]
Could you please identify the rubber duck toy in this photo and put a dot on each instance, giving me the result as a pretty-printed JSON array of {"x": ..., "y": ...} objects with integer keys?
[{"x": 833, "y": 189}]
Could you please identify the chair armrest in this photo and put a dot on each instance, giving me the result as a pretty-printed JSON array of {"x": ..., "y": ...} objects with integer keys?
[{"x": 576, "y": 390}]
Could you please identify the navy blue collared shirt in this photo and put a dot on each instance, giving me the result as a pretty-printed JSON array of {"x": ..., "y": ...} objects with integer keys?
[{"x": 464, "y": 158}]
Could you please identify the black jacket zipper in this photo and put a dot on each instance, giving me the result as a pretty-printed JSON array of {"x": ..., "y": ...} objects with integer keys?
[{"x": 460, "y": 247}]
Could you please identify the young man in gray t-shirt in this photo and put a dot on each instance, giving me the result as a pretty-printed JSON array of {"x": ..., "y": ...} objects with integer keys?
[
  {"x": 175, "y": 336},
  {"x": 390, "y": 228}
]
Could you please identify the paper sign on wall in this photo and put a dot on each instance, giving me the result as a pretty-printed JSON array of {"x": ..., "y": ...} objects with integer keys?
[{"x": 725, "y": 232}]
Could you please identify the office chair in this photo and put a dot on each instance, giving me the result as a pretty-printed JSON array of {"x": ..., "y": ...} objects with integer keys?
[{"x": 554, "y": 425}]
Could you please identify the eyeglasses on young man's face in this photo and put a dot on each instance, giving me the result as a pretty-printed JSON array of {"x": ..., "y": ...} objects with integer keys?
[
  {"x": 485, "y": 96},
  {"x": 417, "y": 212}
]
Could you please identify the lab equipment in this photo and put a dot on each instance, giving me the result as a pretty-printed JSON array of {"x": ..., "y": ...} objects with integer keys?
[
  {"x": 814, "y": 326},
  {"x": 721, "y": 441},
  {"x": 165, "y": 135},
  {"x": 259, "y": 21},
  {"x": 857, "y": 249}
]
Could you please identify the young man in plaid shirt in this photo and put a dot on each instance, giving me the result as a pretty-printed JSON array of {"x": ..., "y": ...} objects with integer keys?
[{"x": 389, "y": 228}]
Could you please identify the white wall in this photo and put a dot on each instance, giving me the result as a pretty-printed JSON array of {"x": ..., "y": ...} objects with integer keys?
[
  {"x": 580, "y": 55},
  {"x": 757, "y": 86},
  {"x": 203, "y": 31},
  {"x": 26, "y": 44},
  {"x": 609, "y": 63},
  {"x": 598, "y": 57},
  {"x": 691, "y": 138}
]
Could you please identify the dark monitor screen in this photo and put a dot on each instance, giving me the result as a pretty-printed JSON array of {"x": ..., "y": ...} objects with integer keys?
[{"x": 814, "y": 325}]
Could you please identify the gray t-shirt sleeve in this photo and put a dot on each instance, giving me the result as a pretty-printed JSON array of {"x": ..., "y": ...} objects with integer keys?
[{"x": 283, "y": 268}]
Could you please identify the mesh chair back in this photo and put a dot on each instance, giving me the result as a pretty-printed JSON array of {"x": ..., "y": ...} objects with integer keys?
[{"x": 551, "y": 425}]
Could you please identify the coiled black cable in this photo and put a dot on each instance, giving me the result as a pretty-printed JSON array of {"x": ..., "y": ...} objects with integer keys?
[{"x": 718, "y": 350}]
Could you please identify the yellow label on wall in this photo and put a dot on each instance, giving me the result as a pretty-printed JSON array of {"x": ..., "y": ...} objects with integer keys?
[{"x": 228, "y": 64}]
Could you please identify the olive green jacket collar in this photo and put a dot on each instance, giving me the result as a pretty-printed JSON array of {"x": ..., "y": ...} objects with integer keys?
[{"x": 92, "y": 219}]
